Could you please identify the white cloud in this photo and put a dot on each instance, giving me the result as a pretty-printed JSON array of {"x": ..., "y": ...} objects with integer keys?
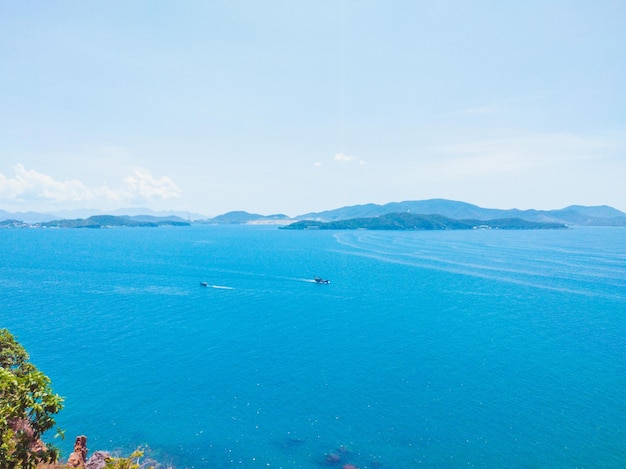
[
  {"x": 29, "y": 187},
  {"x": 343, "y": 158},
  {"x": 143, "y": 185}
]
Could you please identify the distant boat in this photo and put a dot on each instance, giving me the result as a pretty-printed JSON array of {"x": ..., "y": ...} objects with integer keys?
[
  {"x": 321, "y": 280},
  {"x": 204, "y": 284}
]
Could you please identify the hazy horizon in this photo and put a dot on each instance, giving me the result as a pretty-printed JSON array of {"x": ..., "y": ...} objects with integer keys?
[{"x": 298, "y": 107}]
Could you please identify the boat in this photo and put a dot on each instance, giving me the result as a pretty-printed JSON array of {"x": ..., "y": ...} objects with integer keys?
[
  {"x": 321, "y": 280},
  {"x": 204, "y": 284}
]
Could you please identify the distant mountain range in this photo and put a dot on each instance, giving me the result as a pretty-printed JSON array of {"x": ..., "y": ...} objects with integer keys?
[
  {"x": 574, "y": 215},
  {"x": 37, "y": 217},
  {"x": 240, "y": 217},
  {"x": 99, "y": 221}
]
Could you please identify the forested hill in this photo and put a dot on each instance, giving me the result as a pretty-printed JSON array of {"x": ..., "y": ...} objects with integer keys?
[{"x": 408, "y": 221}]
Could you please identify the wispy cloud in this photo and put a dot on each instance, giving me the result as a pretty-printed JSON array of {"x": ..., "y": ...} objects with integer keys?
[
  {"x": 475, "y": 111},
  {"x": 499, "y": 107},
  {"x": 515, "y": 154},
  {"x": 343, "y": 158},
  {"x": 29, "y": 186}
]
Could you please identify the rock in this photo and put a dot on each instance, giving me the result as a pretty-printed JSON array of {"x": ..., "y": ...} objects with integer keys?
[
  {"x": 98, "y": 460},
  {"x": 79, "y": 456}
]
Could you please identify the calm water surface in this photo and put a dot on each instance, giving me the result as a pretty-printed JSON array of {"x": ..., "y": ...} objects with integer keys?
[{"x": 428, "y": 349}]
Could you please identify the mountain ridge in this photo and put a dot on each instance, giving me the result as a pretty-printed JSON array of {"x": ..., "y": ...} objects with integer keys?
[
  {"x": 32, "y": 217},
  {"x": 575, "y": 215},
  {"x": 239, "y": 217},
  {"x": 99, "y": 221},
  {"x": 602, "y": 215}
]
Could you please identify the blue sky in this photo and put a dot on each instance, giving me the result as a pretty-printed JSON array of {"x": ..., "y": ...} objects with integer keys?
[{"x": 298, "y": 106}]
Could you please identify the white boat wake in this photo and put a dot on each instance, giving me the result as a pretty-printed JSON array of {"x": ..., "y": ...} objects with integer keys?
[{"x": 221, "y": 287}]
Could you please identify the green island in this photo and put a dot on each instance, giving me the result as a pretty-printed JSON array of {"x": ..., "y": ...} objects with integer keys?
[{"x": 411, "y": 221}]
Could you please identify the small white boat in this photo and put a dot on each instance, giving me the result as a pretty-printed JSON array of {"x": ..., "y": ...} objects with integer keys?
[{"x": 321, "y": 280}]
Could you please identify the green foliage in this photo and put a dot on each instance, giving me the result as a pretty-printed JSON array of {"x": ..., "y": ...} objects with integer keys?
[
  {"x": 131, "y": 462},
  {"x": 27, "y": 407}
]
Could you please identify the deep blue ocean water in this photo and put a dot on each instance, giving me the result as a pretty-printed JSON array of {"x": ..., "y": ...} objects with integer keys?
[{"x": 428, "y": 349}]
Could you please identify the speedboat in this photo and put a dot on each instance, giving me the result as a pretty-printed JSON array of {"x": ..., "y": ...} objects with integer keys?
[
  {"x": 204, "y": 284},
  {"x": 321, "y": 280}
]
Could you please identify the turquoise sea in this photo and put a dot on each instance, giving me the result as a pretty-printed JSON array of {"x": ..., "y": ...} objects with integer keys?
[{"x": 428, "y": 349}]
